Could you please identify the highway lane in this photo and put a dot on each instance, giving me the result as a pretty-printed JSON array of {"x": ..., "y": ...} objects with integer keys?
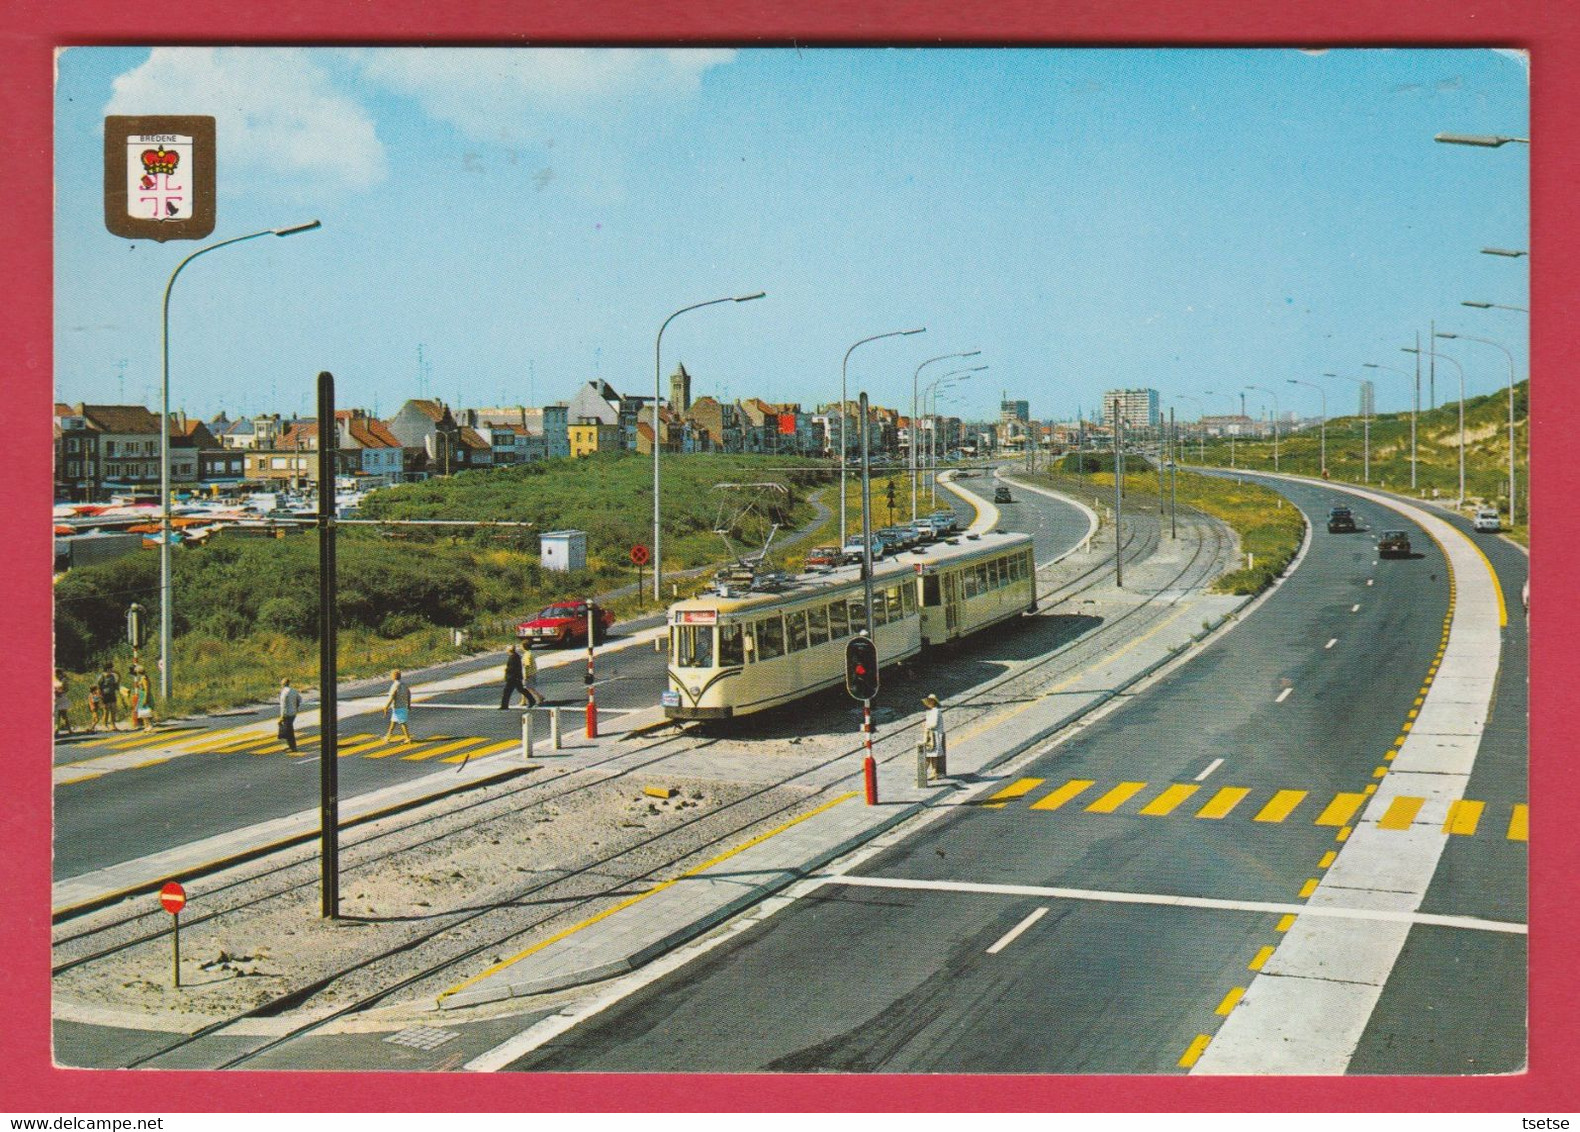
[
  {"x": 134, "y": 812},
  {"x": 1228, "y": 781}
]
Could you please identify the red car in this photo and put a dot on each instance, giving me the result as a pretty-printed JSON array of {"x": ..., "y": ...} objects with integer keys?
[
  {"x": 825, "y": 556},
  {"x": 563, "y": 623}
]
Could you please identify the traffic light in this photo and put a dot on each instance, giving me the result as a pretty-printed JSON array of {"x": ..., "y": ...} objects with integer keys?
[
  {"x": 861, "y": 668},
  {"x": 134, "y": 626},
  {"x": 890, "y": 498}
]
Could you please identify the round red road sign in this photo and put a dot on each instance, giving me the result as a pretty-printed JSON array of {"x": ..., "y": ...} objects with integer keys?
[
  {"x": 639, "y": 554},
  {"x": 173, "y": 897}
]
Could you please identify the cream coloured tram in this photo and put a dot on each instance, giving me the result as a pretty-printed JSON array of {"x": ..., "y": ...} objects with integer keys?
[{"x": 737, "y": 652}]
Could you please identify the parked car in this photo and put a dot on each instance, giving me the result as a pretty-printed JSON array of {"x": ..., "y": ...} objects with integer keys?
[
  {"x": 898, "y": 538},
  {"x": 924, "y": 530},
  {"x": 1487, "y": 519},
  {"x": 1393, "y": 544},
  {"x": 880, "y": 547},
  {"x": 945, "y": 522},
  {"x": 1002, "y": 495},
  {"x": 1340, "y": 520},
  {"x": 825, "y": 556},
  {"x": 564, "y": 623}
]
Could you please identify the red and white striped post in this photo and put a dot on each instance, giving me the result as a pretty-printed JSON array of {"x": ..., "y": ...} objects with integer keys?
[{"x": 592, "y": 703}]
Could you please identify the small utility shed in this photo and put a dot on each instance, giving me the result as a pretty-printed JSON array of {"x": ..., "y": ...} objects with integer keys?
[{"x": 563, "y": 551}]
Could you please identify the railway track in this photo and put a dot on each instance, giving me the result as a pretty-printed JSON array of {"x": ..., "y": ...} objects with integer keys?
[{"x": 449, "y": 939}]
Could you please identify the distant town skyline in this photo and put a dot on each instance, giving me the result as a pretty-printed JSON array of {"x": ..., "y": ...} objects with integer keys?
[{"x": 1185, "y": 220}]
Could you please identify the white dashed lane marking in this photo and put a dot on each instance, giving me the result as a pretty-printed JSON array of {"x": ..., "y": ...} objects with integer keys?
[
  {"x": 1014, "y": 933},
  {"x": 1331, "y": 643},
  {"x": 1284, "y": 695}
]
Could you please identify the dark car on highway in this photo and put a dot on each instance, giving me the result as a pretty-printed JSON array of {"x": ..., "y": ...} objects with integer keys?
[
  {"x": 563, "y": 623},
  {"x": 1002, "y": 495},
  {"x": 1393, "y": 544},
  {"x": 1340, "y": 520}
]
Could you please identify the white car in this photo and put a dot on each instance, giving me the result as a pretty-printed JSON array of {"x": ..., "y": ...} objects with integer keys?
[{"x": 1487, "y": 520}]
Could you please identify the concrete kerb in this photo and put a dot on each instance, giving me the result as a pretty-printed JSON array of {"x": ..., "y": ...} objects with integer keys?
[{"x": 833, "y": 833}]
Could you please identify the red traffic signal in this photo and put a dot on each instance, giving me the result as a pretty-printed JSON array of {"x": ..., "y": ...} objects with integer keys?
[{"x": 861, "y": 668}]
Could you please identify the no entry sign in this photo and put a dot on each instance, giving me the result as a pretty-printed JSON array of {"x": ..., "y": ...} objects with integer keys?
[{"x": 173, "y": 898}]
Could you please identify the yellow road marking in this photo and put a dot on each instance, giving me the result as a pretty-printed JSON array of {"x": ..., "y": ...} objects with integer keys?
[
  {"x": 1497, "y": 584},
  {"x": 357, "y": 743},
  {"x": 147, "y": 740},
  {"x": 1379, "y": 772},
  {"x": 1280, "y": 806},
  {"x": 1401, "y": 812},
  {"x": 1343, "y": 835},
  {"x": 1262, "y": 956},
  {"x": 1015, "y": 789},
  {"x": 443, "y": 749},
  {"x": 394, "y": 747},
  {"x": 1520, "y": 823},
  {"x": 1285, "y": 923},
  {"x": 1229, "y": 1000},
  {"x": 607, "y": 912},
  {"x": 1115, "y": 798},
  {"x": 1463, "y": 816},
  {"x": 491, "y": 749},
  {"x": 1327, "y": 859},
  {"x": 1194, "y": 1051},
  {"x": 1062, "y": 795},
  {"x": 1223, "y": 801},
  {"x": 226, "y": 746},
  {"x": 1308, "y": 888},
  {"x": 1169, "y": 800}
]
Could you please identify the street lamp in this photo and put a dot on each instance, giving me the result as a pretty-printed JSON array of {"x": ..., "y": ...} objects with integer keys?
[
  {"x": 1512, "y": 253},
  {"x": 842, "y": 445},
  {"x": 1413, "y": 410},
  {"x": 1432, "y": 349},
  {"x": 1366, "y": 425},
  {"x": 166, "y": 659},
  {"x": 938, "y": 383},
  {"x": 1490, "y": 141},
  {"x": 1324, "y": 394},
  {"x": 658, "y": 394},
  {"x": 1274, "y": 396},
  {"x": 1493, "y": 306},
  {"x": 1510, "y": 357},
  {"x": 915, "y": 378}
]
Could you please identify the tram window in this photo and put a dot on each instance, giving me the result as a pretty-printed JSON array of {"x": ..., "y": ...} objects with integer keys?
[
  {"x": 817, "y": 624},
  {"x": 858, "y": 615},
  {"x": 880, "y": 612},
  {"x": 969, "y": 577},
  {"x": 930, "y": 589},
  {"x": 908, "y": 596},
  {"x": 838, "y": 622},
  {"x": 696, "y": 646},
  {"x": 732, "y": 645},
  {"x": 891, "y": 598},
  {"x": 796, "y": 623},
  {"x": 998, "y": 573},
  {"x": 770, "y": 638}
]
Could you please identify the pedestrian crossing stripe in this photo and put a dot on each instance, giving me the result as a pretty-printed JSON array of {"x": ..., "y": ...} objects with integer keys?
[
  {"x": 369, "y": 746},
  {"x": 1464, "y": 817}
]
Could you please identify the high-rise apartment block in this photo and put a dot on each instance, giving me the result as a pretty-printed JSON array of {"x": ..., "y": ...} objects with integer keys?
[{"x": 1137, "y": 407}]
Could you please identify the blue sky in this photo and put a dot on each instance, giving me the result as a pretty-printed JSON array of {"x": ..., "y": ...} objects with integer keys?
[{"x": 1189, "y": 220}]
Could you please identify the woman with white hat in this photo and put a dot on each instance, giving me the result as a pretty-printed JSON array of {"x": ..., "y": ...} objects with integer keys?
[{"x": 933, "y": 735}]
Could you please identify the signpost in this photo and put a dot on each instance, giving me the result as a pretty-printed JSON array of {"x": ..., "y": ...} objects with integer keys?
[
  {"x": 639, "y": 556},
  {"x": 173, "y": 898}
]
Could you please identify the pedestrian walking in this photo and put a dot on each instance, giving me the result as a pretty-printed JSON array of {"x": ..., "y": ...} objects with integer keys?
[
  {"x": 398, "y": 707},
  {"x": 513, "y": 677},
  {"x": 62, "y": 704},
  {"x": 109, "y": 694},
  {"x": 934, "y": 739},
  {"x": 290, "y": 704},
  {"x": 142, "y": 699},
  {"x": 529, "y": 680},
  {"x": 95, "y": 707}
]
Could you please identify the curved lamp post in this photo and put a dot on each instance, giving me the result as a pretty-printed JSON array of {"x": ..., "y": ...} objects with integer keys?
[
  {"x": 658, "y": 394},
  {"x": 1413, "y": 409},
  {"x": 166, "y": 660},
  {"x": 842, "y": 396},
  {"x": 1274, "y": 396},
  {"x": 915, "y": 378},
  {"x": 942, "y": 382},
  {"x": 1435, "y": 353},
  {"x": 1324, "y": 394},
  {"x": 1494, "y": 306},
  {"x": 1510, "y": 357},
  {"x": 1201, "y": 413}
]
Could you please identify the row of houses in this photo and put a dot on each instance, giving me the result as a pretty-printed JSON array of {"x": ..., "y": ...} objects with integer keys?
[{"x": 103, "y": 450}]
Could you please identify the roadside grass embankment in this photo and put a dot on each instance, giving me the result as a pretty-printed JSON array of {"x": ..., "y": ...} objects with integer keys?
[{"x": 1269, "y": 527}]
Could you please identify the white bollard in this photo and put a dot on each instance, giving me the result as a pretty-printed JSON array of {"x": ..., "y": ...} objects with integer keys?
[
  {"x": 526, "y": 734},
  {"x": 554, "y": 727}
]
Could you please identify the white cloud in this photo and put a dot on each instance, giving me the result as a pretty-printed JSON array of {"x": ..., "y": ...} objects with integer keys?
[
  {"x": 485, "y": 92},
  {"x": 277, "y": 116}
]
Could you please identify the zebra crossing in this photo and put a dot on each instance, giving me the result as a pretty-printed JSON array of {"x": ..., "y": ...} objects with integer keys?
[{"x": 1465, "y": 817}]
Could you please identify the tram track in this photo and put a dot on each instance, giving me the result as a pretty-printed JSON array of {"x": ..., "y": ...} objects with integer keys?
[{"x": 1142, "y": 541}]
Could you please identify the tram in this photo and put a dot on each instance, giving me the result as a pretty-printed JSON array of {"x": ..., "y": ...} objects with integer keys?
[{"x": 756, "y": 643}]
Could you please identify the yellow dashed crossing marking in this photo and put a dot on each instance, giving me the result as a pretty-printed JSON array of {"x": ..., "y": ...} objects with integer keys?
[
  {"x": 1169, "y": 800},
  {"x": 1062, "y": 795},
  {"x": 1223, "y": 801},
  {"x": 1281, "y": 806},
  {"x": 1115, "y": 798},
  {"x": 1017, "y": 789}
]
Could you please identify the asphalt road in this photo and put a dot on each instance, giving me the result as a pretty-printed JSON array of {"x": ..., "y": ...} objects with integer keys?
[
  {"x": 1302, "y": 699},
  {"x": 141, "y": 810}
]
